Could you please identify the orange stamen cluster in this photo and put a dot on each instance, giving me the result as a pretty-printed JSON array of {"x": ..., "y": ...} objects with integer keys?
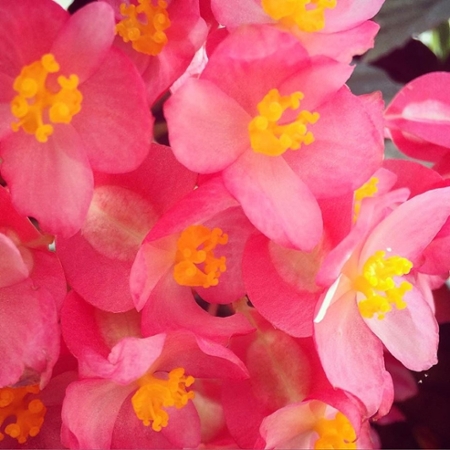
[
  {"x": 144, "y": 26},
  {"x": 368, "y": 189},
  {"x": 307, "y": 15},
  {"x": 28, "y": 413},
  {"x": 267, "y": 136},
  {"x": 155, "y": 394},
  {"x": 196, "y": 263},
  {"x": 336, "y": 433},
  {"x": 378, "y": 285},
  {"x": 36, "y": 106}
]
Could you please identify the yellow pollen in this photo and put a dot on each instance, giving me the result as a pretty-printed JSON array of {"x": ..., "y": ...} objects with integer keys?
[
  {"x": 144, "y": 26},
  {"x": 36, "y": 104},
  {"x": 307, "y": 15},
  {"x": 196, "y": 263},
  {"x": 379, "y": 287},
  {"x": 267, "y": 136},
  {"x": 368, "y": 189},
  {"x": 336, "y": 433},
  {"x": 29, "y": 414},
  {"x": 155, "y": 394}
]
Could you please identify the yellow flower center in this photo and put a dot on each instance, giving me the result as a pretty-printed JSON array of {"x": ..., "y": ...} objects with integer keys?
[
  {"x": 155, "y": 394},
  {"x": 28, "y": 414},
  {"x": 36, "y": 104},
  {"x": 196, "y": 263},
  {"x": 144, "y": 26},
  {"x": 267, "y": 136},
  {"x": 378, "y": 285},
  {"x": 336, "y": 433},
  {"x": 368, "y": 189},
  {"x": 307, "y": 15}
]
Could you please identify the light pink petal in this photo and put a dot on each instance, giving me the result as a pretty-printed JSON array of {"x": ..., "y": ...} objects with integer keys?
[
  {"x": 341, "y": 45},
  {"x": 271, "y": 196},
  {"x": 12, "y": 266},
  {"x": 405, "y": 385},
  {"x": 287, "y": 306},
  {"x": 233, "y": 13},
  {"x": 352, "y": 356},
  {"x": 410, "y": 227},
  {"x": 55, "y": 188},
  {"x": 208, "y": 129},
  {"x": 85, "y": 40},
  {"x": 115, "y": 142},
  {"x": 341, "y": 158},
  {"x": 26, "y": 40},
  {"x": 411, "y": 334},
  {"x": 89, "y": 412},
  {"x": 350, "y": 13}
]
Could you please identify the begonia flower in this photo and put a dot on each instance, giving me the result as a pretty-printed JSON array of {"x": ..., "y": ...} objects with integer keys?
[
  {"x": 70, "y": 104},
  {"x": 143, "y": 384},
  {"x": 98, "y": 259},
  {"x": 336, "y": 28},
  {"x": 195, "y": 246},
  {"x": 418, "y": 117},
  {"x": 160, "y": 36},
  {"x": 374, "y": 299},
  {"x": 270, "y": 119},
  {"x": 32, "y": 288}
]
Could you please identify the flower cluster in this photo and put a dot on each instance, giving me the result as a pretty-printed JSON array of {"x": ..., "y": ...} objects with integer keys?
[{"x": 262, "y": 282}]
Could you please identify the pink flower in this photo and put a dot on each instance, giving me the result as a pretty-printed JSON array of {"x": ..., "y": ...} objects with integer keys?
[
  {"x": 336, "y": 28},
  {"x": 161, "y": 37},
  {"x": 376, "y": 298},
  {"x": 57, "y": 124},
  {"x": 276, "y": 161}
]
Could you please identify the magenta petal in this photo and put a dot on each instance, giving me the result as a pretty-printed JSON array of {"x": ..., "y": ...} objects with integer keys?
[
  {"x": 275, "y": 200},
  {"x": 207, "y": 128},
  {"x": 89, "y": 412},
  {"x": 411, "y": 335},
  {"x": 54, "y": 187},
  {"x": 116, "y": 129},
  {"x": 84, "y": 42},
  {"x": 12, "y": 266},
  {"x": 352, "y": 356}
]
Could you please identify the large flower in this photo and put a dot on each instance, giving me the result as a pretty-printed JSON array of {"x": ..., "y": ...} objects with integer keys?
[{"x": 58, "y": 118}]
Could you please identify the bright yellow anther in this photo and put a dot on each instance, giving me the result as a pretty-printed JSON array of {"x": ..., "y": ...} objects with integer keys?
[
  {"x": 336, "y": 433},
  {"x": 267, "y": 136},
  {"x": 196, "y": 263},
  {"x": 368, "y": 189},
  {"x": 29, "y": 414},
  {"x": 155, "y": 394},
  {"x": 144, "y": 26},
  {"x": 36, "y": 103},
  {"x": 307, "y": 15},
  {"x": 378, "y": 285}
]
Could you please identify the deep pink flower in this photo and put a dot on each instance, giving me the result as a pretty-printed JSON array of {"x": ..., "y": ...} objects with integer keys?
[
  {"x": 336, "y": 28},
  {"x": 65, "y": 64},
  {"x": 223, "y": 122}
]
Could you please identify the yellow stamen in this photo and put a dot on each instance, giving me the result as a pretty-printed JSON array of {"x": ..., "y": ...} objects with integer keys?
[
  {"x": 378, "y": 285},
  {"x": 155, "y": 394},
  {"x": 307, "y": 15},
  {"x": 36, "y": 104},
  {"x": 196, "y": 263},
  {"x": 368, "y": 189},
  {"x": 144, "y": 26},
  {"x": 336, "y": 433},
  {"x": 29, "y": 414},
  {"x": 267, "y": 136}
]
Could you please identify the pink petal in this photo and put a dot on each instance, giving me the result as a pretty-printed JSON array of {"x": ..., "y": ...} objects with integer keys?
[
  {"x": 55, "y": 188},
  {"x": 271, "y": 195},
  {"x": 233, "y": 13},
  {"x": 12, "y": 266},
  {"x": 200, "y": 116},
  {"x": 84, "y": 42},
  {"x": 118, "y": 142},
  {"x": 411, "y": 334}
]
